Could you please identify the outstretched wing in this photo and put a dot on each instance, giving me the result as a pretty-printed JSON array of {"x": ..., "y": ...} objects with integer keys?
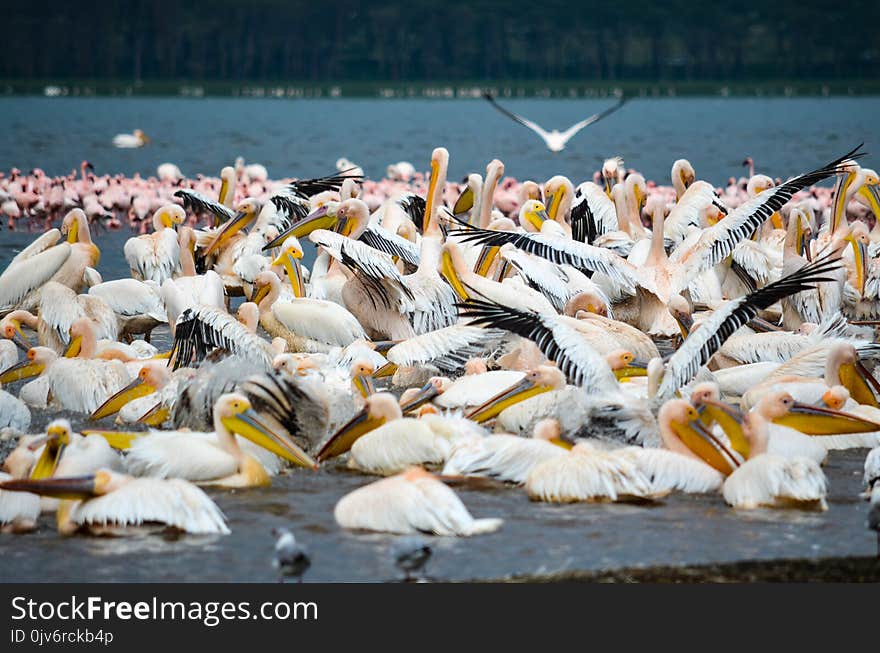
[
  {"x": 718, "y": 242},
  {"x": 559, "y": 250},
  {"x": 202, "y": 329},
  {"x": 198, "y": 203},
  {"x": 699, "y": 346},
  {"x": 596, "y": 117},
  {"x": 386, "y": 241},
  {"x": 555, "y": 336},
  {"x": 535, "y": 127},
  {"x": 305, "y": 188}
]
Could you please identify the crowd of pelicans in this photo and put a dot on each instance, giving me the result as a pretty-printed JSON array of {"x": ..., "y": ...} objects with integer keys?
[{"x": 437, "y": 338}]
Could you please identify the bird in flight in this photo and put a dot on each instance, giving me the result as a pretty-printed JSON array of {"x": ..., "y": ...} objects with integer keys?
[{"x": 554, "y": 139}]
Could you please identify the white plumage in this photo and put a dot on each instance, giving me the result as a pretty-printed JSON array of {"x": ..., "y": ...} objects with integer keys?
[
  {"x": 772, "y": 481},
  {"x": 409, "y": 503}
]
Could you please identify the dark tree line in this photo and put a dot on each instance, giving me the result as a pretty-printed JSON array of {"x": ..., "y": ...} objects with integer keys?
[{"x": 447, "y": 40}]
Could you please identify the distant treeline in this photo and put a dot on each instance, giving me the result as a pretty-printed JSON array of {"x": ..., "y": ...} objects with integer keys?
[{"x": 423, "y": 40}]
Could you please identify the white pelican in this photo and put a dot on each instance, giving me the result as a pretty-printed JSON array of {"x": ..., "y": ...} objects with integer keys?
[
  {"x": 411, "y": 502},
  {"x": 588, "y": 474},
  {"x": 19, "y": 511},
  {"x": 593, "y": 215},
  {"x": 554, "y": 139},
  {"x": 156, "y": 256},
  {"x": 309, "y": 325},
  {"x": 505, "y": 457},
  {"x": 401, "y": 442},
  {"x": 78, "y": 384},
  {"x": 109, "y": 503},
  {"x": 216, "y": 458},
  {"x": 138, "y": 305},
  {"x": 768, "y": 480},
  {"x": 683, "y": 464},
  {"x": 46, "y": 259},
  {"x": 127, "y": 141}
]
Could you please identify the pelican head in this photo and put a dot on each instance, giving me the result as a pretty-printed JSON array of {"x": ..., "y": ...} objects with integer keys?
[
  {"x": 379, "y": 409},
  {"x": 234, "y": 413},
  {"x": 35, "y": 361},
  {"x": 680, "y": 310},
  {"x": 169, "y": 216},
  {"x": 294, "y": 364},
  {"x": 611, "y": 172},
  {"x": 624, "y": 364},
  {"x": 70, "y": 225},
  {"x": 781, "y": 408},
  {"x": 636, "y": 190},
  {"x": 141, "y": 136},
  {"x": 264, "y": 282},
  {"x": 58, "y": 435},
  {"x": 586, "y": 301},
  {"x": 529, "y": 190},
  {"x": 558, "y": 191},
  {"x": 152, "y": 376},
  {"x": 758, "y": 184},
  {"x": 246, "y": 212},
  {"x": 414, "y": 398},
  {"x": 543, "y": 379},
  {"x": 451, "y": 265},
  {"x": 843, "y": 367},
  {"x": 859, "y": 240},
  {"x": 11, "y": 327},
  {"x": 82, "y": 339},
  {"x": 532, "y": 215},
  {"x": 835, "y": 397},
  {"x": 290, "y": 259},
  {"x": 352, "y": 216},
  {"x": 679, "y": 419},
  {"x": 362, "y": 377},
  {"x": 683, "y": 176},
  {"x": 550, "y": 430}
]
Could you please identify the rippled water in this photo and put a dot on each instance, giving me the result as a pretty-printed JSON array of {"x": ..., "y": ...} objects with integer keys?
[{"x": 305, "y": 138}]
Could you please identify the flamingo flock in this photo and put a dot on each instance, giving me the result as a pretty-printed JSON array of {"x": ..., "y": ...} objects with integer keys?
[{"x": 606, "y": 339}]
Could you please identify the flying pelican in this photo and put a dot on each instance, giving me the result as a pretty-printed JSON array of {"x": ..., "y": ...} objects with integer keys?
[
  {"x": 110, "y": 503},
  {"x": 216, "y": 458},
  {"x": 156, "y": 256},
  {"x": 555, "y": 140},
  {"x": 414, "y": 501}
]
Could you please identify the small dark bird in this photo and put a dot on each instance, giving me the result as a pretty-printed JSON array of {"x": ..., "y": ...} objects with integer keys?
[
  {"x": 291, "y": 558},
  {"x": 874, "y": 514},
  {"x": 410, "y": 554}
]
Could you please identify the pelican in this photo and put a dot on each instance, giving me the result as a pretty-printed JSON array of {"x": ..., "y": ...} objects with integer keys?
[
  {"x": 202, "y": 329},
  {"x": 127, "y": 141},
  {"x": 414, "y": 501},
  {"x": 871, "y": 476},
  {"x": 78, "y": 384},
  {"x": 216, "y": 458},
  {"x": 110, "y": 503},
  {"x": 14, "y": 413},
  {"x": 555, "y": 140},
  {"x": 156, "y": 256},
  {"x": 47, "y": 259},
  {"x": 310, "y": 325},
  {"x": 588, "y": 474},
  {"x": 768, "y": 480},
  {"x": 506, "y": 457},
  {"x": 678, "y": 466},
  {"x": 138, "y": 305}
]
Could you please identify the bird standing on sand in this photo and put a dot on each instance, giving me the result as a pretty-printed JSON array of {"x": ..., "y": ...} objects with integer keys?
[
  {"x": 291, "y": 557},
  {"x": 410, "y": 555}
]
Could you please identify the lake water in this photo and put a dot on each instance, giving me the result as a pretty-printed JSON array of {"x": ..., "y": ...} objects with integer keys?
[{"x": 785, "y": 136}]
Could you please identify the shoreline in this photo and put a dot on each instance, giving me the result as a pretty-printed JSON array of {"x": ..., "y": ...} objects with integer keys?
[{"x": 442, "y": 89}]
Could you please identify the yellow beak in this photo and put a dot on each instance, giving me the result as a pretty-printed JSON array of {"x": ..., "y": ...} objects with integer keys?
[
  {"x": 22, "y": 370},
  {"x": 239, "y": 222},
  {"x": 321, "y": 218},
  {"x": 18, "y": 336},
  {"x": 344, "y": 438},
  {"x": 119, "y": 440},
  {"x": 813, "y": 420},
  {"x": 364, "y": 385},
  {"x": 729, "y": 418},
  {"x": 250, "y": 425},
  {"x": 48, "y": 460},
  {"x": 426, "y": 393},
  {"x": 860, "y": 259},
  {"x": 702, "y": 442},
  {"x": 291, "y": 262},
  {"x": 854, "y": 377},
  {"x": 156, "y": 416},
  {"x": 465, "y": 202},
  {"x": 447, "y": 269},
  {"x": 484, "y": 262},
  {"x": 73, "y": 347},
  {"x": 516, "y": 393},
  {"x": 388, "y": 369},
  {"x": 114, "y": 404}
]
